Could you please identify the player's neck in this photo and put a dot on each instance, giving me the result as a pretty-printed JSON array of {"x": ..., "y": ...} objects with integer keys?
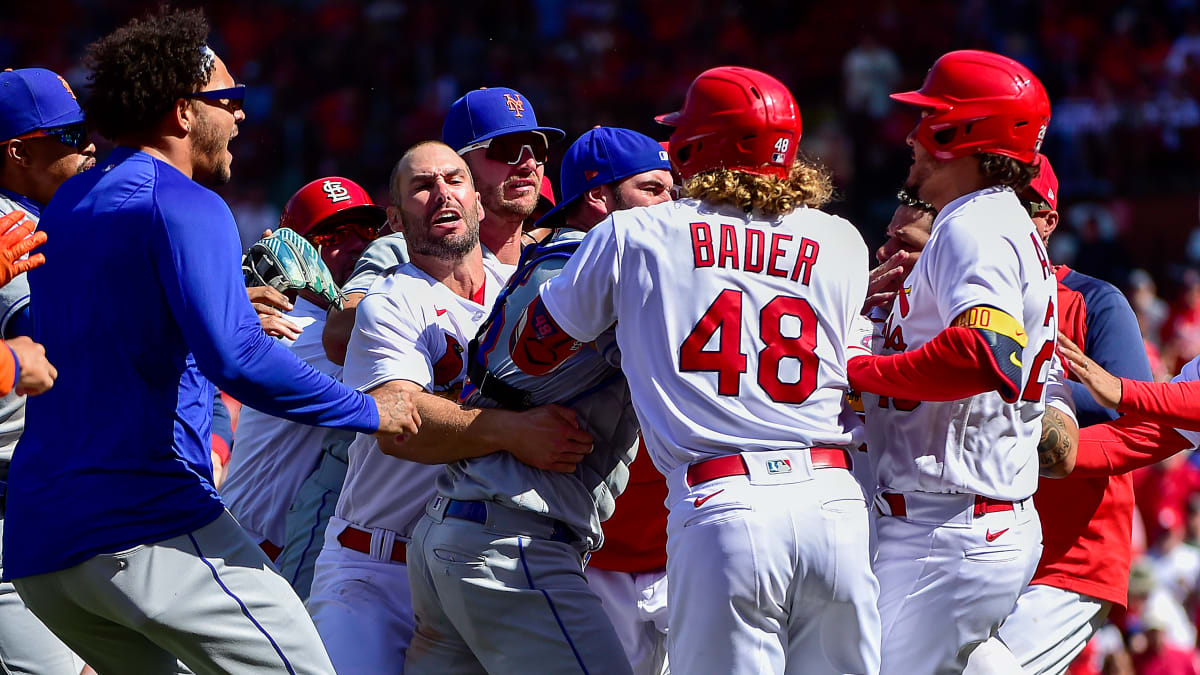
[
  {"x": 464, "y": 276},
  {"x": 502, "y": 236}
]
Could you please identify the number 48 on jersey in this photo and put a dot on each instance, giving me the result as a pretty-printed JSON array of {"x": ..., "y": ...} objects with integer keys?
[{"x": 728, "y": 360}]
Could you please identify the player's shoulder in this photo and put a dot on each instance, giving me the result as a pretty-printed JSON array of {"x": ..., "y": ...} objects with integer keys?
[
  {"x": 813, "y": 222},
  {"x": 1189, "y": 372},
  {"x": 387, "y": 251},
  {"x": 1094, "y": 290},
  {"x": 995, "y": 208}
]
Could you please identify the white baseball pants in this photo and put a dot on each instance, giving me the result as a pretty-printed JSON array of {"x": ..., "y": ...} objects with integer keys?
[
  {"x": 361, "y": 606},
  {"x": 636, "y": 603},
  {"x": 770, "y": 573},
  {"x": 949, "y": 578},
  {"x": 1051, "y": 626}
]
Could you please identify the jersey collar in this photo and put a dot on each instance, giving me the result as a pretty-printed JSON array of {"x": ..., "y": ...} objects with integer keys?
[{"x": 27, "y": 205}]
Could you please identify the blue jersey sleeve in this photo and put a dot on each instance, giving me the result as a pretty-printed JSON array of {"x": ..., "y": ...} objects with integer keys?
[
  {"x": 1113, "y": 340},
  {"x": 196, "y": 255}
]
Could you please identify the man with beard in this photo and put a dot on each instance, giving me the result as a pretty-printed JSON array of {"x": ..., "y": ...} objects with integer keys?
[
  {"x": 496, "y": 132},
  {"x": 114, "y": 535},
  {"x": 520, "y": 595},
  {"x": 410, "y": 335},
  {"x": 954, "y": 407},
  {"x": 42, "y": 143}
]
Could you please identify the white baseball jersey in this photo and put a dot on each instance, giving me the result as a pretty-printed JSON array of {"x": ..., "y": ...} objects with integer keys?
[
  {"x": 408, "y": 327},
  {"x": 730, "y": 328},
  {"x": 272, "y": 456},
  {"x": 984, "y": 251}
]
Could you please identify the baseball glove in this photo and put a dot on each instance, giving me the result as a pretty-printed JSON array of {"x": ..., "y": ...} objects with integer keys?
[{"x": 289, "y": 264}]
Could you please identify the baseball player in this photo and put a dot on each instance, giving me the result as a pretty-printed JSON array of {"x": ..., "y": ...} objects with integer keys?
[
  {"x": 728, "y": 305},
  {"x": 43, "y": 144},
  {"x": 954, "y": 416},
  {"x": 411, "y": 332},
  {"x": 496, "y": 132},
  {"x": 113, "y": 535},
  {"x": 496, "y": 563},
  {"x": 1086, "y": 520},
  {"x": 285, "y": 477}
]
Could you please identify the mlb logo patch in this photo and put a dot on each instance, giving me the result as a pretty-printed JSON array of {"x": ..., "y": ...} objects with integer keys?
[
  {"x": 777, "y": 158},
  {"x": 778, "y": 466},
  {"x": 437, "y": 501}
]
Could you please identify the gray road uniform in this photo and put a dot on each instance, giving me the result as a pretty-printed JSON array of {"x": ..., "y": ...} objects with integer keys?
[
  {"x": 496, "y": 564},
  {"x": 26, "y": 645}
]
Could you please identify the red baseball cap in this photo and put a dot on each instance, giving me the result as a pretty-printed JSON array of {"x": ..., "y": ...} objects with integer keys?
[
  {"x": 1045, "y": 186},
  {"x": 547, "y": 191}
]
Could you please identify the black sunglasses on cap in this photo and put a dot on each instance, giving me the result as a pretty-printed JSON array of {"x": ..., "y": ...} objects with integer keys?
[{"x": 71, "y": 135}]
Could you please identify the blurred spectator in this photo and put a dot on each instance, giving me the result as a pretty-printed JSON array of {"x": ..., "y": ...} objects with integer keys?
[
  {"x": 1181, "y": 331},
  {"x": 871, "y": 72}
]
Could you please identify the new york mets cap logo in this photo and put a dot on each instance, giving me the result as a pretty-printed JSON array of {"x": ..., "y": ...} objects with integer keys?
[{"x": 515, "y": 104}]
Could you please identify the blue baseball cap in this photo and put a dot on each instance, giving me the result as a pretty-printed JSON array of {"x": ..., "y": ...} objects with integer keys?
[
  {"x": 487, "y": 113},
  {"x": 601, "y": 156},
  {"x": 33, "y": 99}
]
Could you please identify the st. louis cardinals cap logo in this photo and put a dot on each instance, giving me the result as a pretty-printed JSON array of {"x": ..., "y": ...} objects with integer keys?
[
  {"x": 515, "y": 104},
  {"x": 335, "y": 191}
]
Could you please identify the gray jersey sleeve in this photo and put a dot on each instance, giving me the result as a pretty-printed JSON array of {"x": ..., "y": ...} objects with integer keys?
[{"x": 382, "y": 255}]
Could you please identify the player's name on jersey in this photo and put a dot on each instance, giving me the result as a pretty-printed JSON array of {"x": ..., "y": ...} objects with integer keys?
[{"x": 752, "y": 250}]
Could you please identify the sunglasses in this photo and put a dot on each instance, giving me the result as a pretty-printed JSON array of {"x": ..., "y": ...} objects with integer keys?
[
  {"x": 1036, "y": 207},
  {"x": 234, "y": 95},
  {"x": 71, "y": 135},
  {"x": 510, "y": 148},
  {"x": 337, "y": 234}
]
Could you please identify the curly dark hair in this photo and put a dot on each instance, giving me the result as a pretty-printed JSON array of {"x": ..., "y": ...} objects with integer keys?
[
  {"x": 1007, "y": 171},
  {"x": 141, "y": 69}
]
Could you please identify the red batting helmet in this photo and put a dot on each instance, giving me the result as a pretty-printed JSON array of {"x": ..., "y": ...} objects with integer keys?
[
  {"x": 327, "y": 197},
  {"x": 978, "y": 101},
  {"x": 736, "y": 118}
]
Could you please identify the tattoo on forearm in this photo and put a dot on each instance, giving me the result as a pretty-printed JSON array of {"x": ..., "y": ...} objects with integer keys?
[{"x": 1055, "y": 443}]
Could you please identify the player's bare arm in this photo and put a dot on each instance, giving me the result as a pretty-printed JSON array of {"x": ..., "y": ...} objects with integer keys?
[
  {"x": 398, "y": 414},
  {"x": 1103, "y": 386},
  {"x": 1058, "y": 445},
  {"x": 338, "y": 326},
  {"x": 546, "y": 437}
]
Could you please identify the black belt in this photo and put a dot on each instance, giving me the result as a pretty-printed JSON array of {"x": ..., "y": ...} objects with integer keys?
[
  {"x": 476, "y": 511},
  {"x": 493, "y": 387}
]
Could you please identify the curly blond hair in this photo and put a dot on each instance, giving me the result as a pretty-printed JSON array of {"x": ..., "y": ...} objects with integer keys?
[{"x": 808, "y": 184}]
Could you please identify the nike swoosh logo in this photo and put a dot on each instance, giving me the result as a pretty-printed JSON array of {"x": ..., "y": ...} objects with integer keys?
[
  {"x": 442, "y": 311},
  {"x": 700, "y": 500},
  {"x": 993, "y": 536},
  {"x": 1015, "y": 361}
]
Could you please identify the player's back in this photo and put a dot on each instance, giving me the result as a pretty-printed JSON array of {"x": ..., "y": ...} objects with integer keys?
[{"x": 732, "y": 328}]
